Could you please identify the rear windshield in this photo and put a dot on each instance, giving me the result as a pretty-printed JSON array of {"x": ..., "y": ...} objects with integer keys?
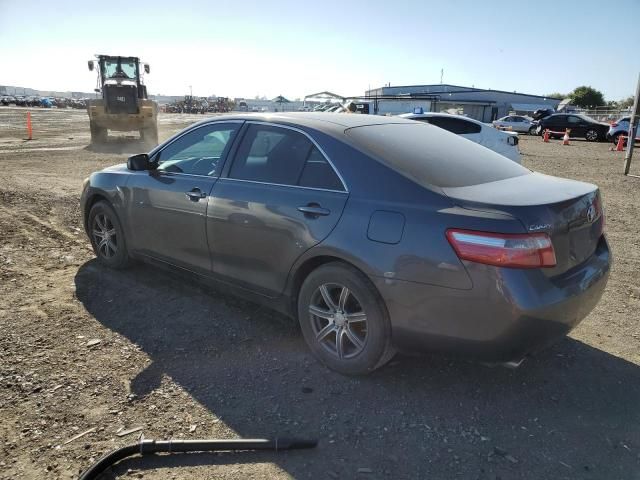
[{"x": 432, "y": 156}]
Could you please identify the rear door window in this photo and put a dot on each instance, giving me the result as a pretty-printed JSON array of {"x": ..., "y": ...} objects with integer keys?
[
  {"x": 458, "y": 126},
  {"x": 271, "y": 155},
  {"x": 318, "y": 173},
  {"x": 282, "y": 156}
]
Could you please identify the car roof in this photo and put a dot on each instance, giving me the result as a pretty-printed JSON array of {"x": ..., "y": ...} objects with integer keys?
[
  {"x": 438, "y": 114},
  {"x": 318, "y": 120}
]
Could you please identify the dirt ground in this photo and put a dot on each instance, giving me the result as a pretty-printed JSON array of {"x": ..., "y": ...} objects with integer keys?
[{"x": 86, "y": 349}]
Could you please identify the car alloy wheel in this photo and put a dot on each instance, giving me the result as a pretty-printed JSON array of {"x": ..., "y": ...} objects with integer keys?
[
  {"x": 105, "y": 236},
  {"x": 591, "y": 135},
  {"x": 338, "y": 320}
]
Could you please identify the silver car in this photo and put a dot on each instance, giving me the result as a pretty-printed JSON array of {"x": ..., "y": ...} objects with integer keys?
[{"x": 516, "y": 123}]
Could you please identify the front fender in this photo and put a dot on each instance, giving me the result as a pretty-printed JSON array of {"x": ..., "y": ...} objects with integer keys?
[{"x": 109, "y": 186}]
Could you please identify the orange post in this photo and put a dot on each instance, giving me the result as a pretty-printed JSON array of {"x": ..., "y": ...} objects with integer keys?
[
  {"x": 29, "y": 129},
  {"x": 545, "y": 137},
  {"x": 620, "y": 144}
]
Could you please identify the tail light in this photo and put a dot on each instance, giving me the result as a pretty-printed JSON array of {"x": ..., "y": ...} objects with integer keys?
[{"x": 533, "y": 250}]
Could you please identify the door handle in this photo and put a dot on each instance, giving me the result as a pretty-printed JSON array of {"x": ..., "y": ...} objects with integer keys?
[
  {"x": 195, "y": 194},
  {"x": 314, "y": 210}
]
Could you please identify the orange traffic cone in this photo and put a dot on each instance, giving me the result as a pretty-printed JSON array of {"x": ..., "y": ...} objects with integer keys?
[
  {"x": 565, "y": 139},
  {"x": 620, "y": 144},
  {"x": 29, "y": 129},
  {"x": 545, "y": 137}
]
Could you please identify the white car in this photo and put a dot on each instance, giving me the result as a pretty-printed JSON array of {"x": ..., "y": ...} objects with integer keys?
[
  {"x": 504, "y": 143},
  {"x": 517, "y": 123}
]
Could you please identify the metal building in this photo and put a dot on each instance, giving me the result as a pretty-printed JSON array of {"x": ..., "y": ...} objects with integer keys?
[{"x": 483, "y": 105}]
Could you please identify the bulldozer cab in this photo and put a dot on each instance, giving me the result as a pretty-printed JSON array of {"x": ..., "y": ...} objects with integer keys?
[{"x": 118, "y": 67}]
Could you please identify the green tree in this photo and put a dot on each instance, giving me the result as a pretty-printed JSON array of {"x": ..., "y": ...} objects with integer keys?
[
  {"x": 585, "y": 96},
  {"x": 626, "y": 102},
  {"x": 559, "y": 96}
]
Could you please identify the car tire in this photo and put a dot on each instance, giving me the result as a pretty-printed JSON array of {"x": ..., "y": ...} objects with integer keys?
[
  {"x": 98, "y": 134},
  {"x": 592, "y": 135},
  {"x": 533, "y": 130},
  {"x": 149, "y": 135},
  {"x": 107, "y": 236},
  {"x": 344, "y": 321}
]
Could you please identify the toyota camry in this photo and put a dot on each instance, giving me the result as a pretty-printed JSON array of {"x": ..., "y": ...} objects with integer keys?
[{"x": 376, "y": 233}]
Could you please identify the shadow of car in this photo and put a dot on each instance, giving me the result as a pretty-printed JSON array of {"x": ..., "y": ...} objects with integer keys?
[{"x": 570, "y": 412}]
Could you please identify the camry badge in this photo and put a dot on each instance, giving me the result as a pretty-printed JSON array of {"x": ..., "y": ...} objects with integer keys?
[{"x": 541, "y": 226}]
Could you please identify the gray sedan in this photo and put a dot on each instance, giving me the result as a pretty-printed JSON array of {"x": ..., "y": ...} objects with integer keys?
[{"x": 376, "y": 233}]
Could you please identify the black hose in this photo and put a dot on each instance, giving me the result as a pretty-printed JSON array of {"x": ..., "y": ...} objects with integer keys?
[{"x": 145, "y": 447}]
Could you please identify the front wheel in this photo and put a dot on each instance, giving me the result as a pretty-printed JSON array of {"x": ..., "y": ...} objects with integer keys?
[
  {"x": 344, "y": 320},
  {"x": 532, "y": 130},
  {"x": 107, "y": 236},
  {"x": 150, "y": 135},
  {"x": 591, "y": 135}
]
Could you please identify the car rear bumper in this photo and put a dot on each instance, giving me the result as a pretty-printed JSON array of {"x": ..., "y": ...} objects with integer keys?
[{"x": 508, "y": 314}]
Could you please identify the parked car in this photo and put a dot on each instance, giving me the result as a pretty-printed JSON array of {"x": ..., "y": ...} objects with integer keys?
[
  {"x": 620, "y": 127},
  {"x": 376, "y": 233},
  {"x": 580, "y": 126},
  {"x": 504, "y": 143},
  {"x": 516, "y": 123}
]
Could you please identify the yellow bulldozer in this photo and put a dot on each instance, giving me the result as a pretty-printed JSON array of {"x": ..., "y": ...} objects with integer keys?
[{"x": 124, "y": 106}]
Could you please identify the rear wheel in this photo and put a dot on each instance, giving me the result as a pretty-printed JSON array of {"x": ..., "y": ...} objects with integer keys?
[
  {"x": 344, "y": 321},
  {"x": 107, "y": 236},
  {"x": 98, "y": 134},
  {"x": 591, "y": 135},
  {"x": 532, "y": 130}
]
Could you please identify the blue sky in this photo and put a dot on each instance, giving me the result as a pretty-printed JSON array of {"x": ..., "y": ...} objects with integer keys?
[{"x": 247, "y": 48}]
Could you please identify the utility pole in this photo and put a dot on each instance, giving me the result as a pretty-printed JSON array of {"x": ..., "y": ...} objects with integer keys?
[
  {"x": 631, "y": 137},
  {"x": 190, "y": 90},
  {"x": 441, "y": 75}
]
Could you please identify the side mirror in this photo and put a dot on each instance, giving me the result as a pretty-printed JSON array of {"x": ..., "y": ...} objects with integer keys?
[
  {"x": 90, "y": 65},
  {"x": 138, "y": 162},
  {"x": 146, "y": 68}
]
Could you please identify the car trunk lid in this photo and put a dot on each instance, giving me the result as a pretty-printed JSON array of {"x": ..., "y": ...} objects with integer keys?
[{"x": 570, "y": 212}]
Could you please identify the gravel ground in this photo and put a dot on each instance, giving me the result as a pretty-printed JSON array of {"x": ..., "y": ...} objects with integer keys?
[{"x": 84, "y": 349}]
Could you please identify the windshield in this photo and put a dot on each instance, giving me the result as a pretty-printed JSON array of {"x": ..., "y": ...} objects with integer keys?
[
  {"x": 127, "y": 68},
  {"x": 431, "y": 156}
]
